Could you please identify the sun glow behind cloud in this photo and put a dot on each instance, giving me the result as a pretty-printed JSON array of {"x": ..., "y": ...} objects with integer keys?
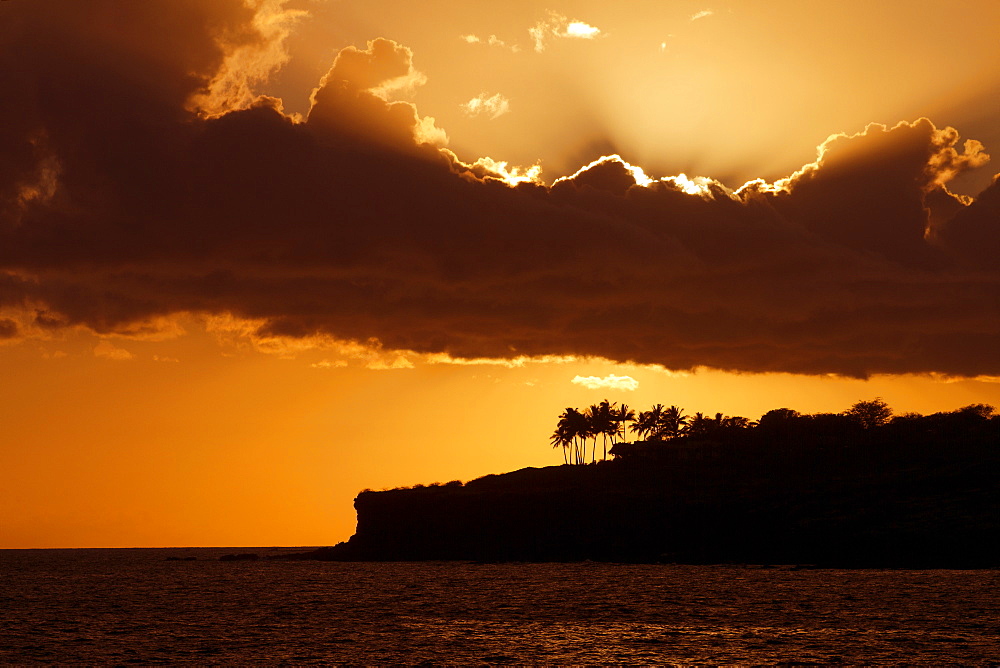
[
  {"x": 511, "y": 175},
  {"x": 636, "y": 172},
  {"x": 248, "y": 65},
  {"x": 357, "y": 101},
  {"x": 308, "y": 268},
  {"x": 699, "y": 185}
]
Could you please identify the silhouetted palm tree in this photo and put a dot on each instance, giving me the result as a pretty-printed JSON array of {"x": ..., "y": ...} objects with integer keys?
[
  {"x": 586, "y": 430},
  {"x": 647, "y": 422},
  {"x": 622, "y": 417},
  {"x": 612, "y": 424},
  {"x": 603, "y": 421},
  {"x": 672, "y": 423},
  {"x": 701, "y": 424},
  {"x": 609, "y": 421},
  {"x": 562, "y": 437},
  {"x": 575, "y": 426}
]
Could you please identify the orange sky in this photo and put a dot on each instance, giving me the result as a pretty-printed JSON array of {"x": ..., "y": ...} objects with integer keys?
[{"x": 218, "y": 323}]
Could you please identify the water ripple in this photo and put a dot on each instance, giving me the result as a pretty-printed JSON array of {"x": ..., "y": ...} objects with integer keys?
[{"x": 132, "y": 606}]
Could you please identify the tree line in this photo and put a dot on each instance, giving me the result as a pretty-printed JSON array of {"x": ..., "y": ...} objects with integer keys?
[
  {"x": 577, "y": 429},
  {"x": 610, "y": 422}
]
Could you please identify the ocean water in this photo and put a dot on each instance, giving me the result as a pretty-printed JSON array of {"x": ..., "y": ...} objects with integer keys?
[{"x": 135, "y": 606}]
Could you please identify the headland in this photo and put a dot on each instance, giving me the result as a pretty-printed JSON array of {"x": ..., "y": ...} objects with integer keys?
[{"x": 922, "y": 492}]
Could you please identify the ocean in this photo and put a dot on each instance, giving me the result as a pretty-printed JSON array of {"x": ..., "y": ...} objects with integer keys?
[{"x": 134, "y": 606}]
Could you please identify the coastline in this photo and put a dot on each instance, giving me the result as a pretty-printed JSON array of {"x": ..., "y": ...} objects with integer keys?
[{"x": 853, "y": 506}]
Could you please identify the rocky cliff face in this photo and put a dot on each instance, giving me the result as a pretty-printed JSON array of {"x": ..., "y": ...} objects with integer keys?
[{"x": 845, "y": 510}]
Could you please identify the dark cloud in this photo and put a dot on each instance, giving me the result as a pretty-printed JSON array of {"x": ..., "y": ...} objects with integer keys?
[
  {"x": 119, "y": 204},
  {"x": 972, "y": 233},
  {"x": 8, "y": 329}
]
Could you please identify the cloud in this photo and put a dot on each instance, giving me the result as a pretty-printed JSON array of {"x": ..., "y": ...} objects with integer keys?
[
  {"x": 557, "y": 26},
  {"x": 122, "y": 207},
  {"x": 251, "y": 56},
  {"x": 8, "y": 329},
  {"x": 494, "y": 106},
  {"x": 580, "y": 30},
  {"x": 611, "y": 382},
  {"x": 492, "y": 40},
  {"x": 327, "y": 364},
  {"x": 703, "y": 14},
  {"x": 488, "y": 168},
  {"x": 399, "y": 362},
  {"x": 109, "y": 351},
  {"x": 168, "y": 360},
  {"x": 510, "y": 363},
  {"x": 354, "y": 99}
]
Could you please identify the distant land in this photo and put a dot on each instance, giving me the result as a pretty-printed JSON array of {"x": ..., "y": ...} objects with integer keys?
[{"x": 823, "y": 490}]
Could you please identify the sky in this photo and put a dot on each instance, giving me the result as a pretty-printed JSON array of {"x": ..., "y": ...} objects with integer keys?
[{"x": 258, "y": 256}]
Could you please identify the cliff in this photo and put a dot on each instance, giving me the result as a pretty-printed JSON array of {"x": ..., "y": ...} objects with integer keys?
[{"x": 869, "y": 502}]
